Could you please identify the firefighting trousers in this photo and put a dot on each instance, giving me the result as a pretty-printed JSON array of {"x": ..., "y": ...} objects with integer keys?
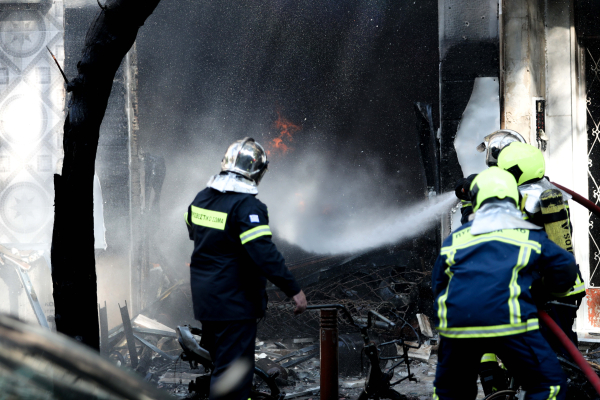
[
  {"x": 527, "y": 356},
  {"x": 229, "y": 342}
]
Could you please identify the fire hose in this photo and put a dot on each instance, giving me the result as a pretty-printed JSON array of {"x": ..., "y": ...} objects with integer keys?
[
  {"x": 573, "y": 351},
  {"x": 580, "y": 199},
  {"x": 556, "y": 330}
]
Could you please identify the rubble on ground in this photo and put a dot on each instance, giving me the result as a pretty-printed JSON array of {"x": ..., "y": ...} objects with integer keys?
[
  {"x": 296, "y": 360},
  {"x": 392, "y": 281},
  {"x": 301, "y": 380}
]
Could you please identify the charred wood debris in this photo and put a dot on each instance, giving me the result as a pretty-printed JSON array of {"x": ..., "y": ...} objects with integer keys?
[{"x": 392, "y": 281}]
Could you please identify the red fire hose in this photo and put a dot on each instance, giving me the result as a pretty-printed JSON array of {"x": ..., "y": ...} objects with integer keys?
[
  {"x": 556, "y": 330},
  {"x": 580, "y": 199},
  {"x": 573, "y": 351}
]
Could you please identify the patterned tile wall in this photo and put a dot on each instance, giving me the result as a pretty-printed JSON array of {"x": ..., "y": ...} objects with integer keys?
[{"x": 32, "y": 104}]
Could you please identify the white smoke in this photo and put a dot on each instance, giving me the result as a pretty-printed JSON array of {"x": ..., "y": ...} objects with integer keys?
[
  {"x": 320, "y": 203},
  {"x": 480, "y": 118},
  {"x": 343, "y": 209}
]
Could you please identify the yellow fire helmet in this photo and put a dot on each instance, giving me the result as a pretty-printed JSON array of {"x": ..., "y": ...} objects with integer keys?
[
  {"x": 524, "y": 161},
  {"x": 493, "y": 183}
]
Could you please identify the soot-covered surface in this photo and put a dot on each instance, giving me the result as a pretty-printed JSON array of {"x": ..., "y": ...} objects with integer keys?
[{"x": 335, "y": 81}]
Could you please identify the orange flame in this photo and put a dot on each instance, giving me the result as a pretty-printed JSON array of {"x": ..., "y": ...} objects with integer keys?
[
  {"x": 278, "y": 144},
  {"x": 286, "y": 131}
]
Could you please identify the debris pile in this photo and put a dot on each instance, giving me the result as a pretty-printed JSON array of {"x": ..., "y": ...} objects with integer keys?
[
  {"x": 300, "y": 360},
  {"x": 16, "y": 266},
  {"x": 152, "y": 349},
  {"x": 391, "y": 281}
]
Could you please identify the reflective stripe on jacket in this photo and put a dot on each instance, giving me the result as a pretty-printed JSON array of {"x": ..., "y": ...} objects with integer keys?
[
  {"x": 233, "y": 257},
  {"x": 482, "y": 283}
]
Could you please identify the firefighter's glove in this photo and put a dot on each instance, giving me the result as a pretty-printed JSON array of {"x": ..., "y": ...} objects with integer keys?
[{"x": 463, "y": 186}]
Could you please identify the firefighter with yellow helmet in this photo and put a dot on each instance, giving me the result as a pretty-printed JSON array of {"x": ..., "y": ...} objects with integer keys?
[
  {"x": 547, "y": 206},
  {"x": 505, "y": 262}
]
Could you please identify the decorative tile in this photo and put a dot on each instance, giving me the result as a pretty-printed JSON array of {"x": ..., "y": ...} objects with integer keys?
[{"x": 32, "y": 110}]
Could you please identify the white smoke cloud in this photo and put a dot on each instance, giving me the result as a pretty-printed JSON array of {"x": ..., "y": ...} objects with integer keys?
[
  {"x": 319, "y": 203},
  {"x": 343, "y": 209}
]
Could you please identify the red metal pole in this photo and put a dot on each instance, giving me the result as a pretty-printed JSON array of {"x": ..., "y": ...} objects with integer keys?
[
  {"x": 329, "y": 355},
  {"x": 573, "y": 351}
]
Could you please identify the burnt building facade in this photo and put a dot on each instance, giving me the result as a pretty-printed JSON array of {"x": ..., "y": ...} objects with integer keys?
[{"x": 538, "y": 61}]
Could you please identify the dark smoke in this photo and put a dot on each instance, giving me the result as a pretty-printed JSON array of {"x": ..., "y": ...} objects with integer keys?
[{"x": 347, "y": 72}]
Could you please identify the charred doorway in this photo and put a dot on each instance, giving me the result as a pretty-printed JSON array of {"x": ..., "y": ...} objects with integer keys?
[{"x": 328, "y": 87}]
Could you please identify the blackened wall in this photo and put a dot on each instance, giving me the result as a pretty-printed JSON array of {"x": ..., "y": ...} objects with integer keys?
[
  {"x": 462, "y": 64},
  {"x": 350, "y": 70},
  {"x": 468, "y": 40}
]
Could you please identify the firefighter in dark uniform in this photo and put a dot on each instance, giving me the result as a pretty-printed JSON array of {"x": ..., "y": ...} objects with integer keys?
[
  {"x": 233, "y": 258},
  {"x": 492, "y": 376},
  {"x": 526, "y": 164},
  {"x": 508, "y": 150},
  {"x": 486, "y": 280}
]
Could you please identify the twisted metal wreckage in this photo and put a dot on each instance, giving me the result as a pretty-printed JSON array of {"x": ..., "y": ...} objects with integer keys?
[{"x": 389, "y": 281}]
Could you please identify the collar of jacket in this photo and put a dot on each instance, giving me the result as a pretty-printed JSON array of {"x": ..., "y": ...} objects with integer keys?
[
  {"x": 231, "y": 182},
  {"x": 534, "y": 190},
  {"x": 495, "y": 216}
]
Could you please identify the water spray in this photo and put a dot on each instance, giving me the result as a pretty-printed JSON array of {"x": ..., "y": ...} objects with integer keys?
[{"x": 391, "y": 227}]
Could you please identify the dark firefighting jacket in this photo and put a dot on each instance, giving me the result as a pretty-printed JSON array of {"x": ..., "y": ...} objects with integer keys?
[
  {"x": 483, "y": 283},
  {"x": 233, "y": 257}
]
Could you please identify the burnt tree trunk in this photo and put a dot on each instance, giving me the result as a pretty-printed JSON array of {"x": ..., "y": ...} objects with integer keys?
[{"x": 109, "y": 38}]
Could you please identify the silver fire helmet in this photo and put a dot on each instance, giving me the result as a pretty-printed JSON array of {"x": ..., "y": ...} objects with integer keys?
[
  {"x": 494, "y": 142},
  {"x": 247, "y": 158}
]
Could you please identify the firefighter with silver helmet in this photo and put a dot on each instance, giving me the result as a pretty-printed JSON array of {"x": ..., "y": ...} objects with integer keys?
[
  {"x": 505, "y": 263},
  {"x": 492, "y": 145},
  {"x": 233, "y": 258},
  {"x": 546, "y": 206},
  {"x": 508, "y": 150}
]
